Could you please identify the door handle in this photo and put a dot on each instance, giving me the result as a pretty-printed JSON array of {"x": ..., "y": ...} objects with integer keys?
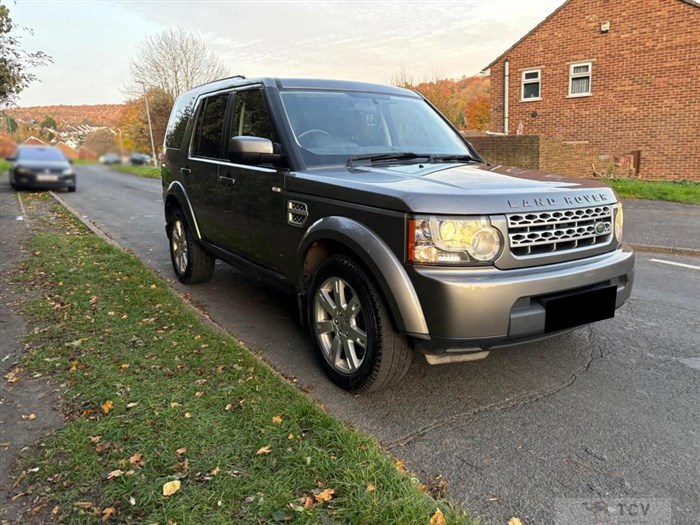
[
  {"x": 185, "y": 171},
  {"x": 230, "y": 181}
]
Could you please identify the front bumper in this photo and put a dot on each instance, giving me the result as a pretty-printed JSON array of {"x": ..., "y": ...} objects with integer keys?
[
  {"x": 33, "y": 180},
  {"x": 485, "y": 308}
]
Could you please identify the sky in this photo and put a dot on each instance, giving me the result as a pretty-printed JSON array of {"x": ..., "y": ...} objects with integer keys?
[{"x": 91, "y": 42}]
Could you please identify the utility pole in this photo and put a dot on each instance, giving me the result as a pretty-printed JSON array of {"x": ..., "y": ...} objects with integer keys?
[{"x": 150, "y": 127}]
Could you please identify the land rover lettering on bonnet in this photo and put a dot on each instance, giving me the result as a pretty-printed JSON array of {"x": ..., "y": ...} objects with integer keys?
[{"x": 394, "y": 234}]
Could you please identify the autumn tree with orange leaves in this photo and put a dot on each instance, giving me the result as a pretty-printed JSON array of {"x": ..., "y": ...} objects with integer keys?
[
  {"x": 133, "y": 121},
  {"x": 464, "y": 101}
]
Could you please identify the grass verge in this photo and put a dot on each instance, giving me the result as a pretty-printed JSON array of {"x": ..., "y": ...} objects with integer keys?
[
  {"x": 4, "y": 166},
  {"x": 142, "y": 171},
  {"x": 684, "y": 192},
  {"x": 157, "y": 396}
]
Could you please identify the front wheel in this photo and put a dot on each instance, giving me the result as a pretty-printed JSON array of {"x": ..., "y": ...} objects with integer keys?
[
  {"x": 360, "y": 350},
  {"x": 192, "y": 264}
]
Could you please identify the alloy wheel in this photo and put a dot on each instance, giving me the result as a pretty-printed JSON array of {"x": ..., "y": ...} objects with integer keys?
[
  {"x": 340, "y": 325},
  {"x": 179, "y": 247}
]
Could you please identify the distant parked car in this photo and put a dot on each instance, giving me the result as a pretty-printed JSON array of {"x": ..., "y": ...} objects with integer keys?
[
  {"x": 43, "y": 167},
  {"x": 140, "y": 159},
  {"x": 111, "y": 158}
]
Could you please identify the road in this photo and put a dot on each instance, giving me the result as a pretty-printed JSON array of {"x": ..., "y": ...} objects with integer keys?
[{"x": 607, "y": 411}]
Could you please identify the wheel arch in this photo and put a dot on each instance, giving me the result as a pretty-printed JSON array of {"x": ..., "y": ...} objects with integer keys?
[
  {"x": 332, "y": 235},
  {"x": 175, "y": 197}
]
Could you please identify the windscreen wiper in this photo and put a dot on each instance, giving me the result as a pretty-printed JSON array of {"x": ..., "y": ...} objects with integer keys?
[
  {"x": 397, "y": 155},
  {"x": 451, "y": 158}
]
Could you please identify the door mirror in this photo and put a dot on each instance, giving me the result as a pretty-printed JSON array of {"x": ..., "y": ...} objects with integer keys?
[{"x": 252, "y": 150}]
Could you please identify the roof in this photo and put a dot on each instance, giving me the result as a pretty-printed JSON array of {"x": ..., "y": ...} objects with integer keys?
[
  {"x": 694, "y": 3},
  {"x": 300, "y": 83}
]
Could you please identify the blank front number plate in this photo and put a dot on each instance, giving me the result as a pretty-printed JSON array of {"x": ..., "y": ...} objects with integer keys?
[{"x": 576, "y": 309}]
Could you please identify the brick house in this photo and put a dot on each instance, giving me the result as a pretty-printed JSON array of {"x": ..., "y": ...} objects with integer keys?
[
  {"x": 69, "y": 151},
  {"x": 607, "y": 85}
]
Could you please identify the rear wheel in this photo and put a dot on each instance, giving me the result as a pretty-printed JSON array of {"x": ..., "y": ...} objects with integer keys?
[
  {"x": 359, "y": 349},
  {"x": 192, "y": 264},
  {"x": 71, "y": 188}
]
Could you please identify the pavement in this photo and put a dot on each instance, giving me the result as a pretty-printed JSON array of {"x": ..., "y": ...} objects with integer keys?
[
  {"x": 607, "y": 411},
  {"x": 662, "y": 226}
]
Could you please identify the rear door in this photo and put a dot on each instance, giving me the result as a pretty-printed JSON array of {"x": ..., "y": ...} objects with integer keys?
[
  {"x": 201, "y": 171},
  {"x": 257, "y": 208}
]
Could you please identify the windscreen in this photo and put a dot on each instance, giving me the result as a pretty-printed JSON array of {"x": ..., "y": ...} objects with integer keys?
[
  {"x": 332, "y": 126},
  {"x": 40, "y": 153}
]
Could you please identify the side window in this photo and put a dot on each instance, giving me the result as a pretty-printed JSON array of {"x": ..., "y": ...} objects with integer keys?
[
  {"x": 250, "y": 116},
  {"x": 210, "y": 127},
  {"x": 179, "y": 117}
]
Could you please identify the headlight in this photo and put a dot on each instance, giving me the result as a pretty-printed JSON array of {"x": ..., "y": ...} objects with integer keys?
[
  {"x": 24, "y": 171},
  {"x": 618, "y": 222},
  {"x": 452, "y": 241},
  {"x": 68, "y": 171}
]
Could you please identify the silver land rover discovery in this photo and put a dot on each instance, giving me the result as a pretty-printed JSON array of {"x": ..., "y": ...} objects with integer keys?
[{"x": 396, "y": 236}]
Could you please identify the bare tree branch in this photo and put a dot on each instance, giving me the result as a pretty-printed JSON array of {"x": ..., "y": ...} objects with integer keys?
[{"x": 173, "y": 61}]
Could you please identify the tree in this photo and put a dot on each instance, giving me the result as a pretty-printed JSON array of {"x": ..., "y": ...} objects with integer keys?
[
  {"x": 48, "y": 122},
  {"x": 101, "y": 141},
  {"x": 133, "y": 121},
  {"x": 464, "y": 101},
  {"x": 15, "y": 62},
  {"x": 172, "y": 62}
]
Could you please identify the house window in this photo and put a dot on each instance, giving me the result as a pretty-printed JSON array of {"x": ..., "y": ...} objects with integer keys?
[
  {"x": 580, "y": 79},
  {"x": 532, "y": 86}
]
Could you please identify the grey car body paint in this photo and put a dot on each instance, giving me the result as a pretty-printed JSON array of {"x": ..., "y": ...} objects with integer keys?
[
  {"x": 383, "y": 264},
  {"x": 453, "y": 307}
]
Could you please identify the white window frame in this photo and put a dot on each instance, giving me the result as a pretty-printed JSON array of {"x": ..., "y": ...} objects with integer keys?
[
  {"x": 523, "y": 81},
  {"x": 573, "y": 75}
]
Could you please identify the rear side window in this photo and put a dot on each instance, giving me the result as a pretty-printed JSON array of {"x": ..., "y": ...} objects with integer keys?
[
  {"x": 208, "y": 136},
  {"x": 177, "y": 124},
  {"x": 250, "y": 116}
]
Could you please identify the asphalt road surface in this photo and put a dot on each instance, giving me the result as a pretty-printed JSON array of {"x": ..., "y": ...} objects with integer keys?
[{"x": 607, "y": 411}]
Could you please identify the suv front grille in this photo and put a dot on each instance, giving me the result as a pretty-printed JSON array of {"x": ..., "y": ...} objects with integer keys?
[{"x": 539, "y": 233}]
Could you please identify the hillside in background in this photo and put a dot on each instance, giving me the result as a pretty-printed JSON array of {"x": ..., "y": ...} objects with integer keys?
[{"x": 95, "y": 115}]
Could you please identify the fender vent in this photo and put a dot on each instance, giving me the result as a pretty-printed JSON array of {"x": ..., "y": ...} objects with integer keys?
[{"x": 297, "y": 213}]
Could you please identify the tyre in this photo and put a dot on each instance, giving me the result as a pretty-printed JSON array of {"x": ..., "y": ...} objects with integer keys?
[
  {"x": 71, "y": 189},
  {"x": 191, "y": 263},
  {"x": 358, "y": 347}
]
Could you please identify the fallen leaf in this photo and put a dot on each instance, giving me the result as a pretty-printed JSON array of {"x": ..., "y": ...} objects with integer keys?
[
  {"x": 93, "y": 300},
  {"x": 180, "y": 451},
  {"x": 515, "y": 521},
  {"x": 83, "y": 504},
  {"x": 325, "y": 495},
  {"x": 132, "y": 500},
  {"x": 107, "y": 513},
  {"x": 438, "y": 518},
  {"x": 371, "y": 487},
  {"x": 290, "y": 436},
  {"x": 95, "y": 439},
  {"x": 228, "y": 407},
  {"x": 29, "y": 417},
  {"x": 171, "y": 487},
  {"x": 198, "y": 394},
  {"x": 124, "y": 366},
  {"x": 136, "y": 460},
  {"x": 107, "y": 406},
  {"x": 74, "y": 365},
  {"x": 400, "y": 466},
  {"x": 215, "y": 471},
  {"x": 277, "y": 420},
  {"x": 188, "y": 415},
  {"x": 132, "y": 405},
  {"x": 264, "y": 450}
]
